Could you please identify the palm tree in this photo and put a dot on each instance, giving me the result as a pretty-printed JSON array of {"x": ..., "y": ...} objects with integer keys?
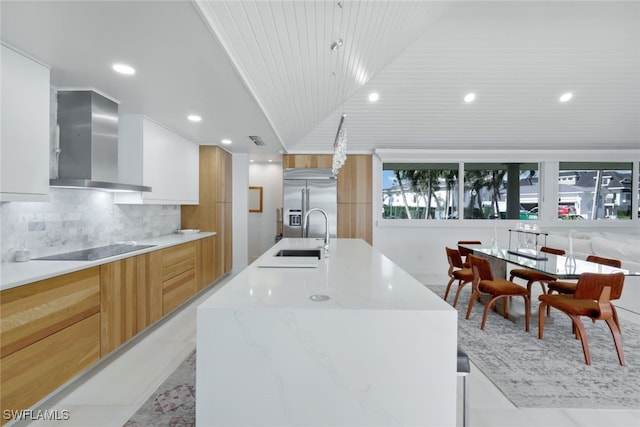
[
  {"x": 475, "y": 181},
  {"x": 400, "y": 177},
  {"x": 450, "y": 177},
  {"x": 494, "y": 184}
]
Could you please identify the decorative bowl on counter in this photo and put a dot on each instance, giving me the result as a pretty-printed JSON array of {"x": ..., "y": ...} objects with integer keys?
[{"x": 188, "y": 231}]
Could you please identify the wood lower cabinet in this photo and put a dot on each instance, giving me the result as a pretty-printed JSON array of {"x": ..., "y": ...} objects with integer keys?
[
  {"x": 178, "y": 274},
  {"x": 53, "y": 329},
  {"x": 38, "y": 369},
  {"x": 130, "y": 298},
  {"x": 50, "y": 332},
  {"x": 178, "y": 259},
  {"x": 206, "y": 262},
  {"x": 177, "y": 290},
  {"x": 32, "y": 312}
]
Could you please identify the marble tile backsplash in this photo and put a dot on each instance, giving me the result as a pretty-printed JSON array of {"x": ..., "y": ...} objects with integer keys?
[{"x": 79, "y": 219}]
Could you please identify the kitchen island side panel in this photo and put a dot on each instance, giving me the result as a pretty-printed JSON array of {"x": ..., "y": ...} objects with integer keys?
[{"x": 278, "y": 367}]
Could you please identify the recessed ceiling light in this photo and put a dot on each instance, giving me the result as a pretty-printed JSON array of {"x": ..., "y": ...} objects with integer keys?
[
  {"x": 470, "y": 97},
  {"x": 252, "y": 160},
  {"x": 124, "y": 69},
  {"x": 194, "y": 118},
  {"x": 373, "y": 96},
  {"x": 566, "y": 97},
  {"x": 226, "y": 141}
]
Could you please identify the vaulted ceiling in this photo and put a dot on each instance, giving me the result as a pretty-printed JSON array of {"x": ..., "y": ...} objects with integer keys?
[{"x": 266, "y": 68}]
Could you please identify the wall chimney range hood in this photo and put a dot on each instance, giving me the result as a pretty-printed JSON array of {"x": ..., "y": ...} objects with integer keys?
[{"x": 87, "y": 151}]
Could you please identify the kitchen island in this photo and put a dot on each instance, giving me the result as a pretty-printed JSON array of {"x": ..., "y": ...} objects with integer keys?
[{"x": 355, "y": 341}]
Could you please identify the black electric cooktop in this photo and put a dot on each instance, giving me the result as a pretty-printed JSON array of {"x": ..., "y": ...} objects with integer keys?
[{"x": 96, "y": 253}]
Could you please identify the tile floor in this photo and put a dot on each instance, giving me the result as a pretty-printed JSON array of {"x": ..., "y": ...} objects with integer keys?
[{"x": 99, "y": 398}]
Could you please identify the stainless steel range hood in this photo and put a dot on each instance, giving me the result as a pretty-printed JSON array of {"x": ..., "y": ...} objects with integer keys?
[{"x": 88, "y": 148}]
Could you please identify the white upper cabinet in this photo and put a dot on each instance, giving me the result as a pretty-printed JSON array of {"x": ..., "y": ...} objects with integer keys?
[
  {"x": 150, "y": 154},
  {"x": 24, "y": 139}
]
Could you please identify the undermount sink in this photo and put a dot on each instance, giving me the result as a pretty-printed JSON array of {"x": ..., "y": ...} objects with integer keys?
[{"x": 300, "y": 253}]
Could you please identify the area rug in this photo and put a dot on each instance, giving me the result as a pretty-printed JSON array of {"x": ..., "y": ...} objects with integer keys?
[
  {"x": 173, "y": 403},
  {"x": 551, "y": 373}
]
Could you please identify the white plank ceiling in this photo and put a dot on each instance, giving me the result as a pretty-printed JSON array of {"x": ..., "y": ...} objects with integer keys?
[
  {"x": 266, "y": 68},
  {"x": 423, "y": 57}
]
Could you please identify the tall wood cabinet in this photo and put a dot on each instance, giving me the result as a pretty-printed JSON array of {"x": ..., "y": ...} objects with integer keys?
[
  {"x": 355, "y": 198},
  {"x": 355, "y": 179},
  {"x": 214, "y": 213}
]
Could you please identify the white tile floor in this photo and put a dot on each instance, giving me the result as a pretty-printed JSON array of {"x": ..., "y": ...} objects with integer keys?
[{"x": 110, "y": 395}]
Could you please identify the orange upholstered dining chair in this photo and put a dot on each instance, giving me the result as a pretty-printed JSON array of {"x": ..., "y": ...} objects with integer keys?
[
  {"x": 465, "y": 252},
  {"x": 569, "y": 288},
  {"x": 592, "y": 298},
  {"x": 485, "y": 282},
  {"x": 533, "y": 276},
  {"x": 456, "y": 272}
]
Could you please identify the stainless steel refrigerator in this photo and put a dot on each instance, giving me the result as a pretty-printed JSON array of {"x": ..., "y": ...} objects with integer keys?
[{"x": 305, "y": 189}]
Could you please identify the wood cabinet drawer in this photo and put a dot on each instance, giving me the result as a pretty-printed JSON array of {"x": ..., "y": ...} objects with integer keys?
[
  {"x": 34, "y": 371},
  {"x": 178, "y": 259},
  {"x": 206, "y": 266},
  {"x": 32, "y": 312},
  {"x": 178, "y": 289}
]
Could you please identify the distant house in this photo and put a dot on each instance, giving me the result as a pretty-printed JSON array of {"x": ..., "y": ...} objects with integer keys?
[{"x": 577, "y": 190}]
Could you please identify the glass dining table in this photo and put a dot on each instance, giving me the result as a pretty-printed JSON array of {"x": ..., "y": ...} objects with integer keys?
[{"x": 563, "y": 267}]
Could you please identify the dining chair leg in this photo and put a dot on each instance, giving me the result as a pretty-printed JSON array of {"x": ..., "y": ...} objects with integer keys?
[
  {"x": 460, "y": 286},
  {"x": 615, "y": 333},
  {"x": 487, "y": 307},
  {"x": 582, "y": 333},
  {"x": 615, "y": 317},
  {"x": 541, "y": 320},
  {"x": 446, "y": 292},
  {"x": 505, "y": 312},
  {"x": 475, "y": 295},
  {"x": 529, "y": 284},
  {"x": 527, "y": 312}
]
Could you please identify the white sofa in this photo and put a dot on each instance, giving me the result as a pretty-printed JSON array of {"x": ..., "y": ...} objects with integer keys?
[{"x": 625, "y": 247}]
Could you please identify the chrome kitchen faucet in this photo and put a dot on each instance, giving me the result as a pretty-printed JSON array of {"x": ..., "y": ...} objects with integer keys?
[{"x": 305, "y": 226}]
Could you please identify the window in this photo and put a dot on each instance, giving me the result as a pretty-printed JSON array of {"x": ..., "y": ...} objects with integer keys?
[
  {"x": 420, "y": 191},
  {"x": 501, "y": 191},
  {"x": 431, "y": 191},
  {"x": 599, "y": 190}
]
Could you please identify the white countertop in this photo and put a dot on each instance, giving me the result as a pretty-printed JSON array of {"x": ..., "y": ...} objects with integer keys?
[
  {"x": 14, "y": 274},
  {"x": 353, "y": 275}
]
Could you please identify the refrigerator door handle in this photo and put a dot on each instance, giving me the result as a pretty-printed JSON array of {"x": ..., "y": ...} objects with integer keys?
[{"x": 303, "y": 210}]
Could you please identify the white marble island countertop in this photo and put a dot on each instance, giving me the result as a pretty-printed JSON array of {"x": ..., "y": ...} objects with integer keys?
[
  {"x": 352, "y": 275},
  {"x": 14, "y": 274},
  {"x": 380, "y": 351}
]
